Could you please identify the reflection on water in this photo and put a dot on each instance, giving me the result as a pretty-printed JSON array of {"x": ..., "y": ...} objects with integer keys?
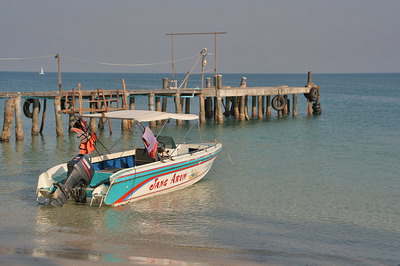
[
  {"x": 167, "y": 219},
  {"x": 74, "y": 256}
]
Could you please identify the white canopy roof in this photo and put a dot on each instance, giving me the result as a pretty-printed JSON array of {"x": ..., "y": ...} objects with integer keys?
[{"x": 142, "y": 115}]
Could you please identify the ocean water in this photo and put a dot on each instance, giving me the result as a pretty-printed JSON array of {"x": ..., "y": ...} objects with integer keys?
[{"x": 310, "y": 190}]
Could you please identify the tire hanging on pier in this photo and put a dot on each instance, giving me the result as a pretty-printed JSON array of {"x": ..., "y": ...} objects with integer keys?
[
  {"x": 312, "y": 95},
  {"x": 27, "y": 104},
  {"x": 278, "y": 102}
]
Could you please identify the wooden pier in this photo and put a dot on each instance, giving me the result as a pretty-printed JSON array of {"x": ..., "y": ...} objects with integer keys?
[{"x": 215, "y": 102}]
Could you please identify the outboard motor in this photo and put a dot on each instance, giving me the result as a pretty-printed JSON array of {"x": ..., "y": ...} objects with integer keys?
[{"x": 79, "y": 175}]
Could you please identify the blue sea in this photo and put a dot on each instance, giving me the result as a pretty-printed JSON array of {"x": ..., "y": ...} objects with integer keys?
[{"x": 305, "y": 190}]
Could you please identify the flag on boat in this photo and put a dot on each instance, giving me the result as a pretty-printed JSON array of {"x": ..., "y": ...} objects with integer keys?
[
  {"x": 87, "y": 139},
  {"x": 150, "y": 141}
]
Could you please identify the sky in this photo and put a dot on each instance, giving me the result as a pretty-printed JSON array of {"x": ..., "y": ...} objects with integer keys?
[{"x": 263, "y": 36}]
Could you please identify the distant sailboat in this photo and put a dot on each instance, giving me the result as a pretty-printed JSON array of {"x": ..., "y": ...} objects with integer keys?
[{"x": 41, "y": 71}]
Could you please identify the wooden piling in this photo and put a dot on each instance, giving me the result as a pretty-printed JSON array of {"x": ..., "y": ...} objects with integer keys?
[
  {"x": 178, "y": 108},
  {"x": 19, "y": 131},
  {"x": 209, "y": 108},
  {"x": 131, "y": 107},
  {"x": 92, "y": 121},
  {"x": 71, "y": 122},
  {"x": 158, "y": 104},
  {"x": 164, "y": 100},
  {"x": 187, "y": 106},
  {"x": 236, "y": 107},
  {"x": 285, "y": 109},
  {"x": 124, "y": 122},
  {"x": 227, "y": 106},
  {"x": 263, "y": 102},
  {"x": 58, "y": 116},
  {"x": 35, "y": 117},
  {"x": 294, "y": 99},
  {"x": 8, "y": 119},
  {"x": 131, "y": 103},
  {"x": 253, "y": 106},
  {"x": 242, "y": 115},
  {"x": 242, "y": 101},
  {"x": 43, "y": 115},
  {"x": 260, "y": 107},
  {"x": 158, "y": 109},
  {"x": 309, "y": 109},
  {"x": 220, "y": 118},
  {"x": 208, "y": 82},
  {"x": 202, "y": 109},
  {"x": 269, "y": 107},
  {"x": 152, "y": 108}
]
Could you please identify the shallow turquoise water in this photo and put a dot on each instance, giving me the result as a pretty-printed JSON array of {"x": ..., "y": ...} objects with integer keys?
[{"x": 306, "y": 190}]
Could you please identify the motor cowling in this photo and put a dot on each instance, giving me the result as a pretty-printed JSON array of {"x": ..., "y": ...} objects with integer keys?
[{"x": 79, "y": 175}]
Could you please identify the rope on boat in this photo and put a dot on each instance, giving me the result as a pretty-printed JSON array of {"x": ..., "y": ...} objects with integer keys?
[{"x": 229, "y": 157}]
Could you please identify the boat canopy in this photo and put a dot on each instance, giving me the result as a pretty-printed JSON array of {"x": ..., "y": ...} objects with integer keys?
[{"x": 142, "y": 115}]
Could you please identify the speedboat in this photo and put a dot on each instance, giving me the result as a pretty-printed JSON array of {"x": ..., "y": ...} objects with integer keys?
[{"x": 119, "y": 178}]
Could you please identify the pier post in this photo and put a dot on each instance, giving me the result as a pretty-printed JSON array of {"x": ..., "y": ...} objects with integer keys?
[
  {"x": 253, "y": 106},
  {"x": 269, "y": 107},
  {"x": 158, "y": 104},
  {"x": 187, "y": 106},
  {"x": 43, "y": 115},
  {"x": 92, "y": 120},
  {"x": 151, "y": 108},
  {"x": 124, "y": 122},
  {"x": 215, "y": 98},
  {"x": 260, "y": 107},
  {"x": 202, "y": 109},
  {"x": 242, "y": 115},
  {"x": 35, "y": 118},
  {"x": 236, "y": 107},
  {"x": 263, "y": 103},
  {"x": 71, "y": 122},
  {"x": 309, "y": 78},
  {"x": 208, "y": 82},
  {"x": 243, "y": 104},
  {"x": 294, "y": 99},
  {"x": 285, "y": 110},
  {"x": 208, "y": 101},
  {"x": 209, "y": 109},
  {"x": 58, "y": 116},
  {"x": 220, "y": 118},
  {"x": 8, "y": 119},
  {"x": 158, "y": 108},
  {"x": 164, "y": 100},
  {"x": 131, "y": 107},
  {"x": 227, "y": 106},
  {"x": 19, "y": 131},
  {"x": 178, "y": 108},
  {"x": 309, "y": 109},
  {"x": 131, "y": 103}
]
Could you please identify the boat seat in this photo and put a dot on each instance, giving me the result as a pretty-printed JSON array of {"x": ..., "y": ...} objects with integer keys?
[{"x": 143, "y": 157}]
